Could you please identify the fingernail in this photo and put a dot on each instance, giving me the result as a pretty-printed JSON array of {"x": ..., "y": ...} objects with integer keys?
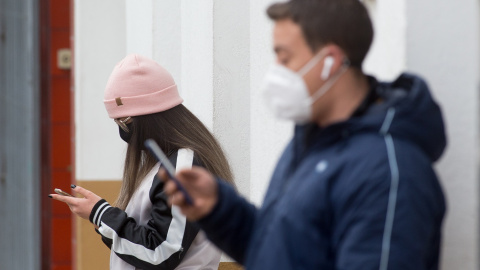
[
  {"x": 50, "y": 196},
  {"x": 73, "y": 186}
]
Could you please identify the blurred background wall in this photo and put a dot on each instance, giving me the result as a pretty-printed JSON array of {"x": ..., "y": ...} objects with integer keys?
[{"x": 218, "y": 52}]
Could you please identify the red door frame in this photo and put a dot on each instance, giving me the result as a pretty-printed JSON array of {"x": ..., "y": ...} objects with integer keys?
[{"x": 56, "y": 135}]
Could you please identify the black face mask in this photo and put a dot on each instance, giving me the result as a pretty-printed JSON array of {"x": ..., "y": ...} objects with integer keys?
[{"x": 126, "y": 136}]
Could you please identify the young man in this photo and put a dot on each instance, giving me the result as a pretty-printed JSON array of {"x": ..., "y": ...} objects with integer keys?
[{"x": 355, "y": 188}]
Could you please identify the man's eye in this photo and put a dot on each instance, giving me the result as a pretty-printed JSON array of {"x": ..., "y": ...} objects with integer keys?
[{"x": 284, "y": 61}]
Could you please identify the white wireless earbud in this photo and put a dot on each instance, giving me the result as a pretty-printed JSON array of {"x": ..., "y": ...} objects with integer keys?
[{"x": 327, "y": 67}]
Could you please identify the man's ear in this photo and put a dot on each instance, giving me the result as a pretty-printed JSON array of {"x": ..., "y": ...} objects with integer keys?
[{"x": 333, "y": 60}]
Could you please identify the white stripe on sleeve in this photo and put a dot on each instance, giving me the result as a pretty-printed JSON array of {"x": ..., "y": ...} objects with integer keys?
[{"x": 99, "y": 209}]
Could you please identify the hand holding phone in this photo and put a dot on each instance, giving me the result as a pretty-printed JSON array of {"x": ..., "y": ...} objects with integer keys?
[
  {"x": 153, "y": 147},
  {"x": 63, "y": 193}
]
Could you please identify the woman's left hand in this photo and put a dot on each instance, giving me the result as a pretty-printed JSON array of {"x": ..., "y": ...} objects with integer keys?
[{"x": 79, "y": 206}]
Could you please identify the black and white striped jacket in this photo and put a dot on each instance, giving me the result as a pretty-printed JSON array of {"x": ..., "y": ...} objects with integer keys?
[{"x": 151, "y": 235}]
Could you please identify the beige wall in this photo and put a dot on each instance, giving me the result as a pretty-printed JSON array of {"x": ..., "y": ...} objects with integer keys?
[{"x": 92, "y": 254}]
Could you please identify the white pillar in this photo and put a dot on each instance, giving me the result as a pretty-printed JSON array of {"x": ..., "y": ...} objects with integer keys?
[
  {"x": 179, "y": 36},
  {"x": 197, "y": 58},
  {"x": 443, "y": 45},
  {"x": 99, "y": 45},
  {"x": 139, "y": 27},
  {"x": 386, "y": 59},
  {"x": 167, "y": 37},
  {"x": 231, "y": 85},
  {"x": 268, "y": 137}
]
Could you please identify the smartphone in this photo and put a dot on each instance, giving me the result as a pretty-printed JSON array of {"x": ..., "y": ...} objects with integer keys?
[
  {"x": 153, "y": 147},
  {"x": 63, "y": 193}
]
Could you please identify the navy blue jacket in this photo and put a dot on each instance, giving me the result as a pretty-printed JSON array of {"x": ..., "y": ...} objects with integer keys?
[{"x": 360, "y": 194}]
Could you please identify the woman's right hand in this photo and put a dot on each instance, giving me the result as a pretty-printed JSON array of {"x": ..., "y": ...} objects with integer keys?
[
  {"x": 199, "y": 184},
  {"x": 79, "y": 206}
]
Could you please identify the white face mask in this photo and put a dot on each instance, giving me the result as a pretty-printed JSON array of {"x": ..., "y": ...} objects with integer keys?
[{"x": 286, "y": 93}]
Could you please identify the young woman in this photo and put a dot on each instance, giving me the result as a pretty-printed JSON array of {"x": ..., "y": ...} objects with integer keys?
[{"x": 142, "y": 231}]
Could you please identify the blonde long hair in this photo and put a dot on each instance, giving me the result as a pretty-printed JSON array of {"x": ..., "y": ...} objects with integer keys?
[{"x": 173, "y": 129}]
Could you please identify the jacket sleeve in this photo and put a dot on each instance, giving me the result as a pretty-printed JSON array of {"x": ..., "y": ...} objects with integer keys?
[
  {"x": 231, "y": 222},
  {"x": 106, "y": 241},
  {"x": 160, "y": 244}
]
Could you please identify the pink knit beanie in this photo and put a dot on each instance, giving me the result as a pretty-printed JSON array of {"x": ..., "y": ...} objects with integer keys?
[{"x": 139, "y": 86}]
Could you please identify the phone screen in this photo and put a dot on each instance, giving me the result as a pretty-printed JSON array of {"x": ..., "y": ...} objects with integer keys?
[{"x": 165, "y": 163}]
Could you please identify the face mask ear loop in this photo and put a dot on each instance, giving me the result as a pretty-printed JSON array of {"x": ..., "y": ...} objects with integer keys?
[
  {"x": 310, "y": 64},
  {"x": 330, "y": 82}
]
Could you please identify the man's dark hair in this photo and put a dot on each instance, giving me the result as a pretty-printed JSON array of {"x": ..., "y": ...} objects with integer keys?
[{"x": 345, "y": 23}]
